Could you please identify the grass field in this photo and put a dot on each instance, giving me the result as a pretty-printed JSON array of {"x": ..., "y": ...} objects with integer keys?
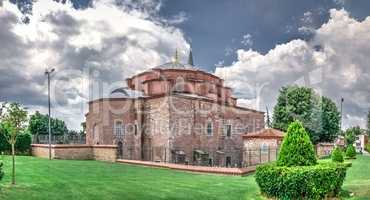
[
  {"x": 58, "y": 179},
  {"x": 358, "y": 178}
]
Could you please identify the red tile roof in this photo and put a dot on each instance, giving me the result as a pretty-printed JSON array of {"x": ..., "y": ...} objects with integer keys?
[{"x": 265, "y": 133}]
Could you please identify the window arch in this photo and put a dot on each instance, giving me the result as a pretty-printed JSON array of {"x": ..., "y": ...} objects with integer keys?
[
  {"x": 209, "y": 128},
  {"x": 118, "y": 128},
  {"x": 180, "y": 84},
  {"x": 264, "y": 148}
]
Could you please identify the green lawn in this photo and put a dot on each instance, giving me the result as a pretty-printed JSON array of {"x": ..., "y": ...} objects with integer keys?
[
  {"x": 358, "y": 178},
  {"x": 59, "y": 179}
]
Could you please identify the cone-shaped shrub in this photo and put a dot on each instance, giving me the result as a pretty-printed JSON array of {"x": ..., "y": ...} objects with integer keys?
[
  {"x": 351, "y": 151},
  {"x": 297, "y": 148},
  {"x": 337, "y": 155}
]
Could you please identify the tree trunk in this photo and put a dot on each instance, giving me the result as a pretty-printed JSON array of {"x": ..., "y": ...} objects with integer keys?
[{"x": 13, "y": 170}]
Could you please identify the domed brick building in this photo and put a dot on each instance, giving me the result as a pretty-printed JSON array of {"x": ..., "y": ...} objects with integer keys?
[{"x": 173, "y": 113}]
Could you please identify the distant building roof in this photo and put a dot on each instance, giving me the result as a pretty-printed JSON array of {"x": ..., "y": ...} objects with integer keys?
[{"x": 265, "y": 133}]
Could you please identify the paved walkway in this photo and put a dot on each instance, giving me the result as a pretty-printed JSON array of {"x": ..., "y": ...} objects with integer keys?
[{"x": 201, "y": 169}]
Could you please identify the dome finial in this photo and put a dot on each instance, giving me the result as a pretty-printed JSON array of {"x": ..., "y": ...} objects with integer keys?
[
  {"x": 176, "y": 57},
  {"x": 190, "y": 59}
]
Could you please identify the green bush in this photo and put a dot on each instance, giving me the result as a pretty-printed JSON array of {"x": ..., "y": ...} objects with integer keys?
[
  {"x": 367, "y": 147},
  {"x": 301, "y": 182},
  {"x": 297, "y": 148},
  {"x": 23, "y": 144},
  {"x": 337, "y": 155},
  {"x": 351, "y": 152},
  {"x": 1, "y": 170}
]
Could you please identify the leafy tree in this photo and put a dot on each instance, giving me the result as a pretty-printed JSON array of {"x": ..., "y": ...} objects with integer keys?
[
  {"x": 14, "y": 121},
  {"x": 351, "y": 152},
  {"x": 330, "y": 120},
  {"x": 337, "y": 155},
  {"x": 351, "y": 133},
  {"x": 297, "y": 148},
  {"x": 39, "y": 125},
  {"x": 294, "y": 103},
  {"x": 319, "y": 115}
]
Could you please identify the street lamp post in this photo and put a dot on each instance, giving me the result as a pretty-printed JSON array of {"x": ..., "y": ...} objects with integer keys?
[
  {"x": 47, "y": 73},
  {"x": 341, "y": 113}
]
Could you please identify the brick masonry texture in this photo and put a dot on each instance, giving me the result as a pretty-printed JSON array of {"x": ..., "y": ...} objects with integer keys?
[
  {"x": 76, "y": 152},
  {"x": 169, "y": 123}
]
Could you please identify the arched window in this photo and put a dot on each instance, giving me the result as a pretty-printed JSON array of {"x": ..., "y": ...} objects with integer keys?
[
  {"x": 228, "y": 130},
  {"x": 95, "y": 134},
  {"x": 180, "y": 84},
  {"x": 118, "y": 128},
  {"x": 209, "y": 128},
  {"x": 264, "y": 148}
]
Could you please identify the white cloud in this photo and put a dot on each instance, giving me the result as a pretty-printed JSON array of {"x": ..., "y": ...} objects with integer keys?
[
  {"x": 339, "y": 68},
  {"x": 247, "y": 40},
  {"x": 307, "y": 23},
  {"x": 115, "y": 41}
]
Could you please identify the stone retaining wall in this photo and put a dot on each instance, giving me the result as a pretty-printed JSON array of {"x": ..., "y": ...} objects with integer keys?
[
  {"x": 105, "y": 152},
  {"x": 76, "y": 152}
]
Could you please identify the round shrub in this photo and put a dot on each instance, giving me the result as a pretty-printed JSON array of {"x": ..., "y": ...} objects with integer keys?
[
  {"x": 297, "y": 148},
  {"x": 351, "y": 152},
  {"x": 301, "y": 182},
  {"x": 337, "y": 155}
]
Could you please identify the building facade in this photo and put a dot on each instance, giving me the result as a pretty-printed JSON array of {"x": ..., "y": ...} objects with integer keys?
[{"x": 173, "y": 113}]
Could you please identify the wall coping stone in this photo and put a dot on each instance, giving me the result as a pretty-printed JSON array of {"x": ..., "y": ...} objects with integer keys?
[{"x": 57, "y": 146}]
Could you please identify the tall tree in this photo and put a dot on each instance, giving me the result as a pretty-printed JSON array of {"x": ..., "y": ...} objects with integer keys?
[
  {"x": 351, "y": 134},
  {"x": 319, "y": 115},
  {"x": 14, "y": 122},
  {"x": 330, "y": 120}
]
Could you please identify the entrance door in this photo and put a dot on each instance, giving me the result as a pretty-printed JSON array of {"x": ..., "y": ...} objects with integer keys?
[
  {"x": 120, "y": 150},
  {"x": 228, "y": 161}
]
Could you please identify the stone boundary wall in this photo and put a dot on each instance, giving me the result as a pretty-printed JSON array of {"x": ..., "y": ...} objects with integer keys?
[
  {"x": 76, "y": 152},
  {"x": 324, "y": 149}
]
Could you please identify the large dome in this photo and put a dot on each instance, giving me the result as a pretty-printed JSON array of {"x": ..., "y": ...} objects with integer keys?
[{"x": 176, "y": 65}]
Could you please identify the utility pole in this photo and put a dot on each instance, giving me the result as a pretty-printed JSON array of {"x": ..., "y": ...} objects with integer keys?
[
  {"x": 341, "y": 113},
  {"x": 47, "y": 73}
]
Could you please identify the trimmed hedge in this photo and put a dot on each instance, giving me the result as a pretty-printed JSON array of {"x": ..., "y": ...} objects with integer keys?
[
  {"x": 302, "y": 182},
  {"x": 337, "y": 155},
  {"x": 351, "y": 152},
  {"x": 297, "y": 148}
]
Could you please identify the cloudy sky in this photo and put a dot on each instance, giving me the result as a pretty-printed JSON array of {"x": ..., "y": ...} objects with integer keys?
[{"x": 257, "y": 46}]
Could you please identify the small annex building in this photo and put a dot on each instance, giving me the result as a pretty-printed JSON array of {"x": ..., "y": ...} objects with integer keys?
[{"x": 261, "y": 146}]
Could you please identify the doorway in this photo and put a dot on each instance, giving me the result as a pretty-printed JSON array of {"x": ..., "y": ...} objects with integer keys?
[
  {"x": 228, "y": 161},
  {"x": 120, "y": 150}
]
